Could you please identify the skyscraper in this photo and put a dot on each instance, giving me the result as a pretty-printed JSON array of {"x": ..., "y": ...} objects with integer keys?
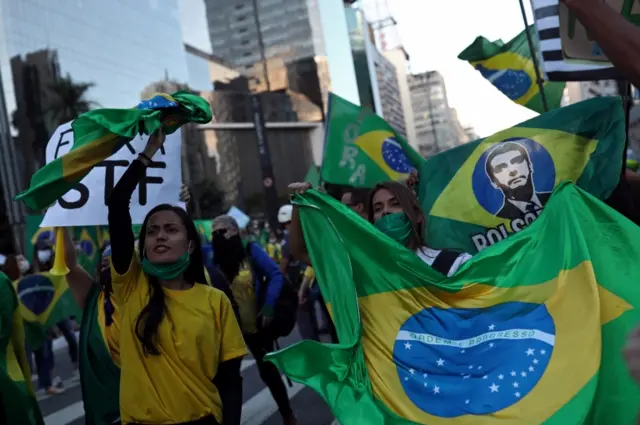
[
  {"x": 119, "y": 48},
  {"x": 436, "y": 124}
]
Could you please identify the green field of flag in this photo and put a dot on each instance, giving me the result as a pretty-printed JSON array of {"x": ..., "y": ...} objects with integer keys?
[
  {"x": 361, "y": 149},
  {"x": 511, "y": 70},
  {"x": 477, "y": 194},
  {"x": 529, "y": 331}
]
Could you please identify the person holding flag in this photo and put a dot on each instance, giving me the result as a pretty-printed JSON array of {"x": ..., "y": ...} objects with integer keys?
[
  {"x": 180, "y": 344},
  {"x": 393, "y": 209}
]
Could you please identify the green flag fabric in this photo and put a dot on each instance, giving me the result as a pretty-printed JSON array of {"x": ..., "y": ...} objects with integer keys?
[
  {"x": 477, "y": 194},
  {"x": 44, "y": 300},
  {"x": 313, "y": 176},
  {"x": 17, "y": 402},
  {"x": 529, "y": 331},
  {"x": 100, "y": 133},
  {"x": 361, "y": 149},
  {"x": 33, "y": 233},
  {"x": 511, "y": 70},
  {"x": 99, "y": 375}
]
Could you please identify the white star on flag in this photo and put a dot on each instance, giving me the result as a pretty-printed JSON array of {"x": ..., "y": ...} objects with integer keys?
[
  {"x": 535, "y": 361},
  {"x": 531, "y": 369},
  {"x": 440, "y": 362},
  {"x": 436, "y": 390},
  {"x": 407, "y": 346},
  {"x": 492, "y": 327},
  {"x": 463, "y": 351},
  {"x": 523, "y": 374},
  {"x": 530, "y": 352},
  {"x": 411, "y": 371},
  {"x": 494, "y": 388},
  {"x": 543, "y": 352},
  {"x": 466, "y": 377},
  {"x": 517, "y": 394},
  {"x": 513, "y": 373},
  {"x": 406, "y": 378},
  {"x": 466, "y": 402},
  {"x": 491, "y": 345},
  {"x": 516, "y": 385},
  {"x": 485, "y": 376},
  {"x": 425, "y": 385},
  {"x": 501, "y": 377},
  {"x": 479, "y": 367},
  {"x": 425, "y": 375},
  {"x": 470, "y": 367}
]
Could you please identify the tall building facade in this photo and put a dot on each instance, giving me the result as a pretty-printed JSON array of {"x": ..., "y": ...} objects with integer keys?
[
  {"x": 575, "y": 92},
  {"x": 436, "y": 124},
  {"x": 399, "y": 57},
  {"x": 119, "y": 49},
  {"x": 391, "y": 107}
]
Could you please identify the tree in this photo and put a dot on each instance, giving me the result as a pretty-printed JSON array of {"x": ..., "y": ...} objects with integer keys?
[
  {"x": 208, "y": 199},
  {"x": 68, "y": 100}
]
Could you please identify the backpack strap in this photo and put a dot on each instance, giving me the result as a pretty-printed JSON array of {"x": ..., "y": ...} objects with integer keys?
[{"x": 444, "y": 261}]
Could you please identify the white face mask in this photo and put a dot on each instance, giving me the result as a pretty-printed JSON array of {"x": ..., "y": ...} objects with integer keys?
[
  {"x": 44, "y": 256},
  {"x": 23, "y": 265}
]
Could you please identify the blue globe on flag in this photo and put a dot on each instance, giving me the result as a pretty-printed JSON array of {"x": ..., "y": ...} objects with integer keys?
[
  {"x": 512, "y": 82},
  {"x": 395, "y": 157},
  {"x": 454, "y": 362},
  {"x": 36, "y": 293}
]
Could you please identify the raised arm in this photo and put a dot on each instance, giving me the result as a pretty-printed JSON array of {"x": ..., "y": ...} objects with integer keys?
[
  {"x": 78, "y": 279},
  {"x": 618, "y": 38},
  {"x": 119, "y": 217}
]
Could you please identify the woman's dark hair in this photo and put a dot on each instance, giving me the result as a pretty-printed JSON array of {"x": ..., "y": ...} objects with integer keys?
[
  {"x": 152, "y": 314},
  {"x": 409, "y": 204}
]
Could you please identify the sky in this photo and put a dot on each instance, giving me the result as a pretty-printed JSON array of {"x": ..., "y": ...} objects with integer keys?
[{"x": 433, "y": 32}]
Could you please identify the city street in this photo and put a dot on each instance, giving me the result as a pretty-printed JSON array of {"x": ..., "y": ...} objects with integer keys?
[{"x": 258, "y": 408}]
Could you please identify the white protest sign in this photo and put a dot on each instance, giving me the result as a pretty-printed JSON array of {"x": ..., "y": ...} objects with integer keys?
[
  {"x": 241, "y": 218},
  {"x": 86, "y": 205}
]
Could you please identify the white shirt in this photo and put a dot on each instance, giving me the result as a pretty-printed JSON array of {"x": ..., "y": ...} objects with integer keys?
[{"x": 429, "y": 255}]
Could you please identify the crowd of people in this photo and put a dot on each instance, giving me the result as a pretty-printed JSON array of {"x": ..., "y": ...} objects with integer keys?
[{"x": 165, "y": 327}]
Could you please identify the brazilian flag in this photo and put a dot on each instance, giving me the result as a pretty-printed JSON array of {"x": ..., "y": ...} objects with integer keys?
[
  {"x": 100, "y": 133},
  {"x": 34, "y": 233},
  {"x": 17, "y": 401},
  {"x": 510, "y": 68},
  {"x": 529, "y": 331},
  {"x": 361, "y": 149},
  {"x": 477, "y": 194},
  {"x": 44, "y": 300}
]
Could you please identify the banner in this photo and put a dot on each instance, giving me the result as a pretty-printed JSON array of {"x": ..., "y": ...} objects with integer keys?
[
  {"x": 86, "y": 204},
  {"x": 476, "y": 194}
]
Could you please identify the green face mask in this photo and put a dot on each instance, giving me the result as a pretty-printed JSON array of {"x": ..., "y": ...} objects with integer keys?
[
  {"x": 167, "y": 271},
  {"x": 396, "y": 225}
]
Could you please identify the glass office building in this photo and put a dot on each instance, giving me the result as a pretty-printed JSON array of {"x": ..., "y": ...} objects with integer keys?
[{"x": 120, "y": 46}]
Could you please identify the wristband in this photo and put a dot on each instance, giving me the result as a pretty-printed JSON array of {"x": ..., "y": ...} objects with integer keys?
[{"x": 144, "y": 155}]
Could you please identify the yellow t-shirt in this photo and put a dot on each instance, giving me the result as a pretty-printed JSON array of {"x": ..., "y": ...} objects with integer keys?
[
  {"x": 198, "y": 332},
  {"x": 244, "y": 293},
  {"x": 111, "y": 333}
]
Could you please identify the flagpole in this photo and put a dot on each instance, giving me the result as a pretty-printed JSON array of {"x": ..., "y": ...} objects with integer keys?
[{"x": 534, "y": 58}]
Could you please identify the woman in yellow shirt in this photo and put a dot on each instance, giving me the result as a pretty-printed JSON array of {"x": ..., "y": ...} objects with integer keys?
[{"x": 180, "y": 343}]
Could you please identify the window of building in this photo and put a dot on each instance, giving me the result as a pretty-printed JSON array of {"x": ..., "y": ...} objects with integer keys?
[
  {"x": 242, "y": 30},
  {"x": 244, "y": 42},
  {"x": 241, "y": 18},
  {"x": 246, "y": 54},
  {"x": 239, "y": 6}
]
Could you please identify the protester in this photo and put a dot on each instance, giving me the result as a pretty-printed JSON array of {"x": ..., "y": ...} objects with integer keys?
[
  {"x": 255, "y": 282},
  {"x": 357, "y": 200},
  {"x": 273, "y": 247},
  {"x": 289, "y": 265},
  {"x": 394, "y": 209},
  {"x": 180, "y": 343},
  {"x": 99, "y": 336},
  {"x": 308, "y": 295}
]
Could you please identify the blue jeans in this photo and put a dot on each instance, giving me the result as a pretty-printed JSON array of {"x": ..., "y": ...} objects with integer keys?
[
  {"x": 44, "y": 364},
  {"x": 66, "y": 327}
]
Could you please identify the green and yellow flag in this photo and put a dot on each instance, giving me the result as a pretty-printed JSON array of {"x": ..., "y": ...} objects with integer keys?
[
  {"x": 17, "y": 401},
  {"x": 100, "y": 133},
  {"x": 510, "y": 69},
  {"x": 44, "y": 300},
  {"x": 477, "y": 194},
  {"x": 361, "y": 149},
  {"x": 529, "y": 331}
]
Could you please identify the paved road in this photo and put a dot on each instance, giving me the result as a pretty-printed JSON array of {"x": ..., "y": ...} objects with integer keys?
[{"x": 258, "y": 408}]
